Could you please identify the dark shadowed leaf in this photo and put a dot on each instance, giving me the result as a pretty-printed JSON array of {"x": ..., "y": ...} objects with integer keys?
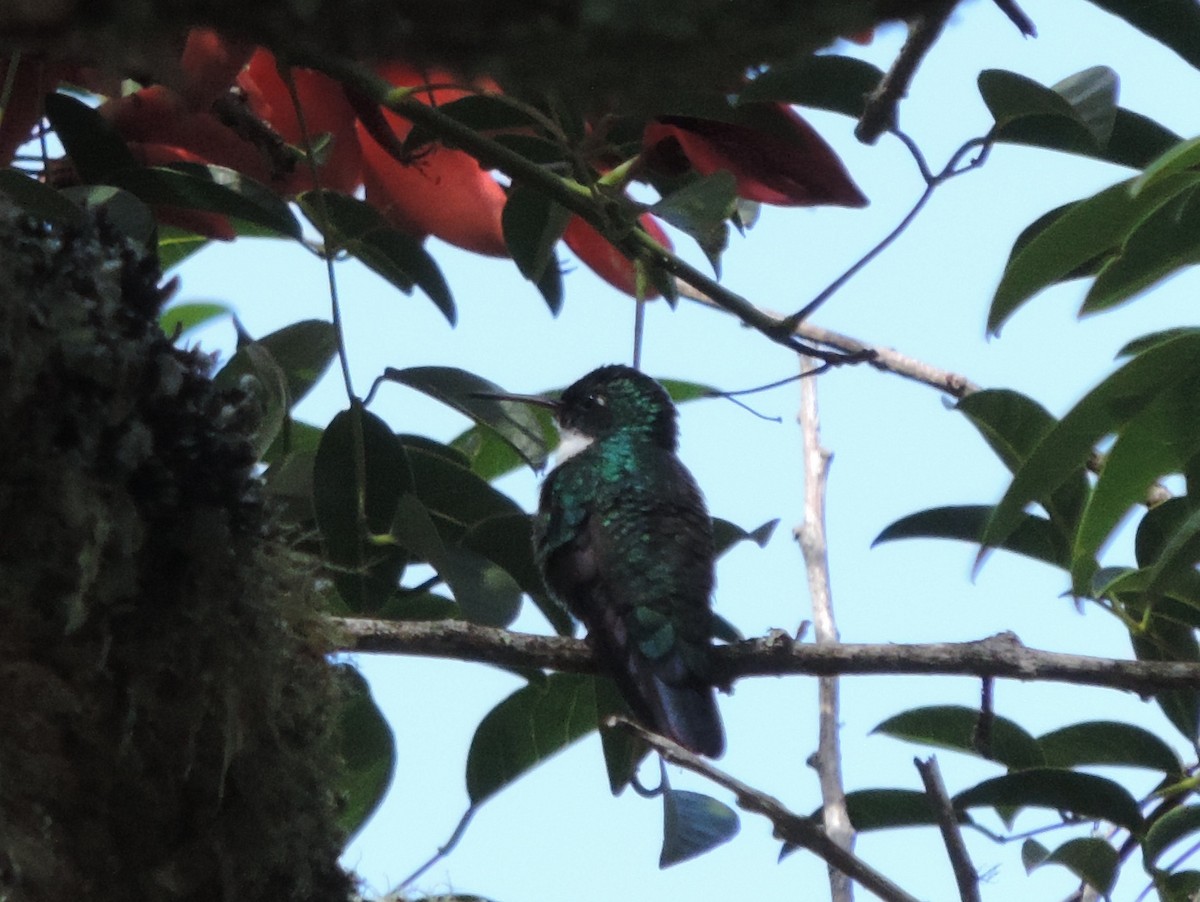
[
  {"x": 176, "y": 244},
  {"x": 957, "y": 728},
  {"x": 129, "y": 214},
  {"x": 531, "y": 725},
  {"x": 1090, "y": 859},
  {"x": 347, "y": 510},
  {"x": 1169, "y": 829},
  {"x": 823, "y": 81},
  {"x": 1034, "y": 537},
  {"x": 533, "y": 224},
  {"x": 726, "y": 534},
  {"x": 456, "y": 497},
  {"x": 359, "y": 228},
  {"x": 693, "y": 824},
  {"x": 1165, "y": 640},
  {"x": 1108, "y": 742},
  {"x": 95, "y": 148},
  {"x": 38, "y": 199},
  {"x": 512, "y": 420},
  {"x": 368, "y": 750},
  {"x": 1085, "y": 795},
  {"x": 702, "y": 208},
  {"x": 1176, "y": 23},
  {"x": 214, "y": 189},
  {"x": 882, "y": 809}
]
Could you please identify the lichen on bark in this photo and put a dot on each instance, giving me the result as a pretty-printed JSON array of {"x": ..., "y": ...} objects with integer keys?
[{"x": 166, "y": 703}]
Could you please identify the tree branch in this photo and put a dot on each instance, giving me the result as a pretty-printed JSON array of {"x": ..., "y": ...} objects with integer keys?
[
  {"x": 965, "y": 874},
  {"x": 811, "y": 537},
  {"x": 999, "y": 656},
  {"x": 789, "y": 826}
]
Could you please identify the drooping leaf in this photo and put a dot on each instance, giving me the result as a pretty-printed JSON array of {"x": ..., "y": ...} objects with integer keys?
[
  {"x": 1084, "y": 795},
  {"x": 840, "y": 84},
  {"x": 1108, "y": 742},
  {"x": 38, "y": 199},
  {"x": 533, "y": 225},
  {"x": 368, "y": 750},
  {"x": 1091, "y": 859},
  {"x": 1034, "y": 537},
  {"x": 1168, "y": 830},
  {"x": 359, "y": 229},
  {"x": 1087, "y": 230},
  {"x": 958, "y": 728},
  {"x": 350, "y": 511},
  {"x": 1076, "y": 115},
  {"x": 534, "y": 723},
  {"x": 1165, "y": 640},
  {"x": 461, "y": 390},
  {"x": 693, "y": 824},
  {"x": 702, "y": 209}
]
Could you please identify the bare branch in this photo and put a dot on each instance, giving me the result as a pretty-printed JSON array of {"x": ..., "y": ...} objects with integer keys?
[
  {"x": 964, "y": 871},
  {"x": 1001, "y": 656},
  {"x": 789, "y": 826},
  {"x": 811, "y": 537}
]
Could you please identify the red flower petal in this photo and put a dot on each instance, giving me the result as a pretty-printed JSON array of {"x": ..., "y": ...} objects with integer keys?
[
  {"x": 210, "y": 66},
  {"x": 326, "y": 112},
  {"x": 785, "y": 162},
  {"x": 605, "y": 260}
]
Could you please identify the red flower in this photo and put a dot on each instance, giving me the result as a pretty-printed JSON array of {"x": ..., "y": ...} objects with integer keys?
[
  {"x": 437, "y": 190},
  {"x": 779, "y": 160},
  {"x": 609, "y": 263}
]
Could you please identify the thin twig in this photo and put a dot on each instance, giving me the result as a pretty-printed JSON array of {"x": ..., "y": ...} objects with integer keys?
[
  {"x": 789, "y": 826},
  {"x": 999, "y": 656},
  {"x": 443, "y": 850},
  {"x": 880, "y": 115},
  {"x": 811, "y": 537},
  {"x": 965, "y": 874}
]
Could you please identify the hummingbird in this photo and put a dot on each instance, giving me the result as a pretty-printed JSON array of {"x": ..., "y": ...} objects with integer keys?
[{"x": 623, "y": 539}]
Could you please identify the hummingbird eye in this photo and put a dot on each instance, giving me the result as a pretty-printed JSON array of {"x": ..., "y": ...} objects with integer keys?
[{"x": 597, "y": 401}]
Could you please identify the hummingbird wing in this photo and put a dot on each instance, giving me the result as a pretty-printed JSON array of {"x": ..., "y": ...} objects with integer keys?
[{"x": 636, "y": 567}]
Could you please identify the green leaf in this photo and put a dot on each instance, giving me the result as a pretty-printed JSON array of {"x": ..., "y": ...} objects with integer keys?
[
  {"x": 457, "y": 498},
  {"x": 957, "y": 728},
  {"x": 1159, "y": 528},
  {"x": 1168, "y": 830},
  {"x": 1034, "y": 537},
  {"x": 533, "y": 224},
  {"x": 213, "y": 189},
  {"x": 303, "y": 351},
  {"x": 1084, "y": 795},
  {"x": 1033, "y": 853},
  {"x": 459, "y": 389},
  {"x": 693, "y": 824},
  {"x": 38, "y": 199},
  {"x": 485, "y": 593},
  {"x": 531, "y": 725},
  {"x": 507, "y": 540},
  {"x": 1092, "y": 860},
  {"x": 1076, "y": 115},
  {"x": 1176, "y": 23},
  {"x": 131, "y": 217},
  {"x": 1012, "y": 425},
  {"x": 1136, "y": 346},
  {"x": 1108, "y": 742},
  {"x": 701, "y": 209},
  {"x": 726, "y": 535},
  {"x": 177, "y": 244},
  {"x": 1181, "y": 157},
  {"x": 840, "y": 84},
  {"x": 491, "y": 456},
  {"x": 254, "y": 371},
  {"x": 183, "y": 318},
  {"x": 357, "y": 227},
  {"x": 1087, "y": 230},
  {"x": 882, "y": 809},
  {"x": 1164, "y": 640},
  {"x": 1107, "y": 408},
  {"x": 368, "y": 750},
  {"x": 1158, "y": 440},
  {"x": 90, "y": 140},
  {"x": 349, "y": 511}
]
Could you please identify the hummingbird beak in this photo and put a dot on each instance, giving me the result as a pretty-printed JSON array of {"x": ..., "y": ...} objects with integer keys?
[{"x": 536, "y": 400}]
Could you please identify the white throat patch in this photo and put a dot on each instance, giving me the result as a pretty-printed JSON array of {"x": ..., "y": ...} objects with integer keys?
[{"x": 570, "y": 443}]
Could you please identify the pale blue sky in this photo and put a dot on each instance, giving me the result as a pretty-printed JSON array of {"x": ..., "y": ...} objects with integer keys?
[{"x": 558, "y": 834}]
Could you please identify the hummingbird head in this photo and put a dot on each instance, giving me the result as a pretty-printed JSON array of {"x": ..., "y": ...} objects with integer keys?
[{"x": 615, "y": 399}]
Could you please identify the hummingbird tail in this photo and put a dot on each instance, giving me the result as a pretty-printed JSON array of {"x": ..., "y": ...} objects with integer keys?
[{"x": 687, "y": 712}]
